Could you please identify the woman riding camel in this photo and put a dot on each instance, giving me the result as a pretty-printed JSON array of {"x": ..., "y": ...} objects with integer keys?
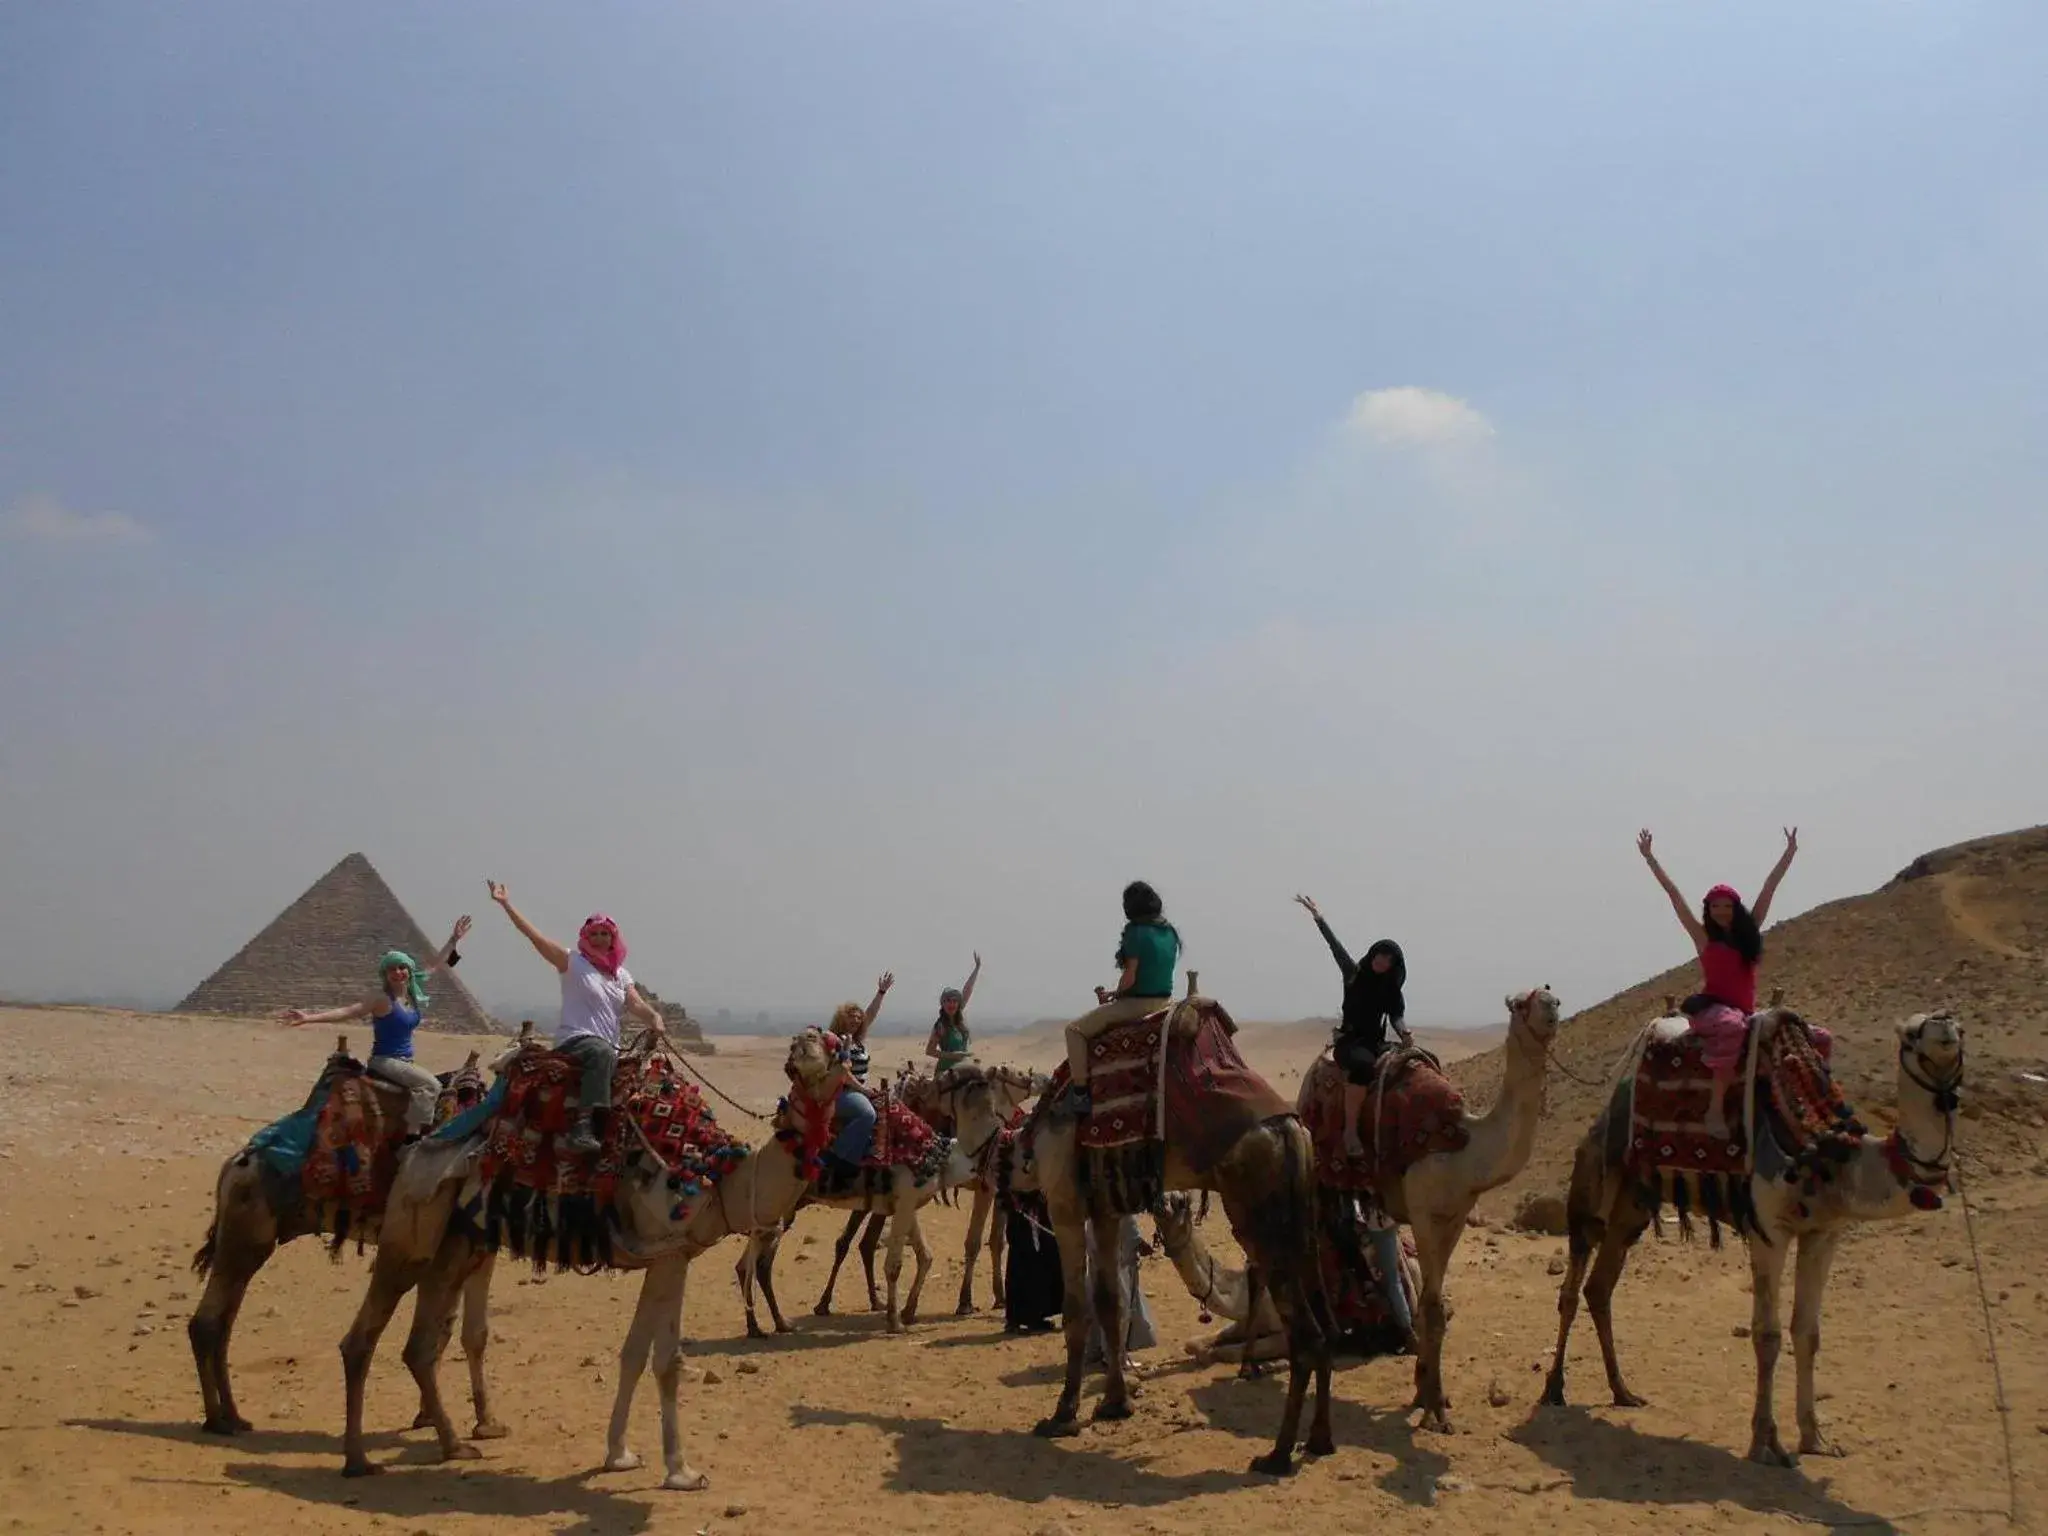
[
  {"x": 1146, "y": 954},
  {"x": 1372, "y": 1002},
  {"x": 855, "y": 1109},
  {"x": 395, "y": 1013},
  {"x": 596, "y": 988},
  {"x": 949, "y": 1042},
  {"x": 1728, "y": 937}
]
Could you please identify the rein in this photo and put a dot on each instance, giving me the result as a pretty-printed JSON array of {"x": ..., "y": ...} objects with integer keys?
[{"x": 1907, "y": 1166}]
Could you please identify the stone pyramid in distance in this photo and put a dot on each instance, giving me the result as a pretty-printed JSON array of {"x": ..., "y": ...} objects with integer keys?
[{"x": 321, "y": 952}]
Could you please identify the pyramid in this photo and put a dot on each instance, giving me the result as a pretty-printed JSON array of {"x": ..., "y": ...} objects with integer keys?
[{"x": 321, "y": 952}]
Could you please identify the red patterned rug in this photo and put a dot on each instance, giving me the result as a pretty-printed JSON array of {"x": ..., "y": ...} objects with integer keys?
[
  {"x": 1795, "y": 1092},
  {"x": 903, "y": 1139},
  {"x": 355, "y": 1146},
  {"x": 1414, "y": 1112}
]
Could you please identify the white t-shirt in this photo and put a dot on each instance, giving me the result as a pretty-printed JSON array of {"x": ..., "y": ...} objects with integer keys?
[{"x": 591, "y": 1001}]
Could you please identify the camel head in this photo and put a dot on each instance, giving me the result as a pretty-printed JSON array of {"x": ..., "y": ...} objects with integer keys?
[
  {"x": 1004, "y": 1089},
  {"x": 1173, "y": 1223},
  {"x": 1931, "y": 1058},
  {"x": 1535, "y": 1014},
  {"x": 811, "y": 1062}
]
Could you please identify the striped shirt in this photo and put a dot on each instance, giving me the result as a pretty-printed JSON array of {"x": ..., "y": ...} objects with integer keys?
[{"x": 857, "y": 1060}]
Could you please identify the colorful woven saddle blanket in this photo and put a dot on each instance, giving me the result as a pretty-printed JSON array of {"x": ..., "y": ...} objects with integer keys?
[
  {"x": 1411, "y": 1111},
  {"x": 654, "y": 1110},
  {"x": 904, "y": 1139},
  {"x": 1212, "y": 1095},
  {"x": 919, "y": 1093},
  {"x": 1670, "y": 1124}
]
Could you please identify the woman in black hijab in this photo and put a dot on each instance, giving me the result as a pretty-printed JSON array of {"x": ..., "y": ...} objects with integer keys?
[{"x": 1372, "y": 1002}]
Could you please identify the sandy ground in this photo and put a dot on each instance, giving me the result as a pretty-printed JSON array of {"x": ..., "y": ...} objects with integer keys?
[{"x": 112, "y": 1128}]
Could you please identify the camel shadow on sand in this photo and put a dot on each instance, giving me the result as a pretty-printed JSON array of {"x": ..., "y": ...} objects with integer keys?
[
  {"x": 935, "y": 1457},
  {"x": 1251, "y": 1410},
  {"x": 424, "y": 1488},
  {"x": 1612, "y": 1460}
]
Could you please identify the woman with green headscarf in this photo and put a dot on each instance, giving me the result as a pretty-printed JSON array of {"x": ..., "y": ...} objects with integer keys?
[{"x": 395, "y": 1013}]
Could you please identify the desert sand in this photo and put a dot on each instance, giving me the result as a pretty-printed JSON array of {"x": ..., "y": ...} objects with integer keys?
[{"x": 113, "y": 1127}]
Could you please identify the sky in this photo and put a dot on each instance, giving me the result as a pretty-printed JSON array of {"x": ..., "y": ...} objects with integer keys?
[{"x": 843, "y": 487}]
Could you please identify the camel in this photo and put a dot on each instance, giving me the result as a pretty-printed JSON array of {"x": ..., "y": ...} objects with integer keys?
[
  {"x": 978, "y": 1101},
  {"x": 1608, "y": 1210},
  {"x": 426, "y": 1244},
  {"x": 252, "y": 1217},
  {"x": 1437, "y": 1193},
  {"x": 1226, "y": 1292},
  {"x": 1266, "y": 1176}
]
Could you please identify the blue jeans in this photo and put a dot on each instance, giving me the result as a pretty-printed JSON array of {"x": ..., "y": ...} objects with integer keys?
[
  {"x": 1386, "y": 1253},
  {"x": 856, "y": 1126},
  {"x": 597, "y": 1058}
]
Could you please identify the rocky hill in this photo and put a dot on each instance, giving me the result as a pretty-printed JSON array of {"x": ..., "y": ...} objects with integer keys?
[{"x": 1963, "y": 928}]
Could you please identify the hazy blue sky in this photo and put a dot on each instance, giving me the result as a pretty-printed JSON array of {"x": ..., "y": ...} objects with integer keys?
[{"x": 837, "y": 485}]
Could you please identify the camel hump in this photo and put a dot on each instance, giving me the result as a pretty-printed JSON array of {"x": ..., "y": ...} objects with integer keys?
[{"x": 1191, "y": 1013}]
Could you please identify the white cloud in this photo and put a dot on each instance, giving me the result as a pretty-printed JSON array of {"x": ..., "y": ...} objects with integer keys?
[
  {"x": 41, "y": 519},
  {"x": 1411, "y": 416}
]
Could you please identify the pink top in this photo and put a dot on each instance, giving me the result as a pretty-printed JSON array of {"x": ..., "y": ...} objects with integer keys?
[{"x": 1726, "y": 977}]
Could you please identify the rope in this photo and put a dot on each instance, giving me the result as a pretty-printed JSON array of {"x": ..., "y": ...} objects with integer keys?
[
  {"x": 2003, "y": 1404},
  {"x": 684, "y": 1063}
]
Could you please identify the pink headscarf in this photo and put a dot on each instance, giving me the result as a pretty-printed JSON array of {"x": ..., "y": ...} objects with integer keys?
[
  {"x": 1724, "y": 893},
  {"x": 608, "y": 963}
]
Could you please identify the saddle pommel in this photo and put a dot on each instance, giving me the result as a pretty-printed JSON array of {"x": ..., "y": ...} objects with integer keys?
[{"x": 341, "y": 1045}]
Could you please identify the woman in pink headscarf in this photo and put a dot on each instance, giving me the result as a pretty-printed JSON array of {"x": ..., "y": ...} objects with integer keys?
[
  {"x": 1728, "y": 937},
  {"x": 596, "y": 988}
]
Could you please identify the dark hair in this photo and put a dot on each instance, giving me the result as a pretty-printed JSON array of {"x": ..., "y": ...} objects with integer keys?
[
  {"x": 1741, "y": 934},
  {"x": 1142, "y": 903}
]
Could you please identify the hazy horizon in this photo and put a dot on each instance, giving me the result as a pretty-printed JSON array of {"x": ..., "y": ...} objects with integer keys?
[{"x": 841, "y": 487}]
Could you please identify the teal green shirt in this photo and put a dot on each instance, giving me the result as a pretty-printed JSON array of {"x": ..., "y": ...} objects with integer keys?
[{"x": 1155, "y": 946}]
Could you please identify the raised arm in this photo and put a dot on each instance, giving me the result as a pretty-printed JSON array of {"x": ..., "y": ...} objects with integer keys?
[
  {"x": 888, "y": 980},
  {"x": 967, "y": 992},
  {"x": 1762, "y": 910},
  {"x": 1344, "y": 961},
  {"x": 549, "y": 950},
  {"x": 367, "y": 1008},
  {"x": 445, "y": 956},
  {"x": 1685, "y": 916}
]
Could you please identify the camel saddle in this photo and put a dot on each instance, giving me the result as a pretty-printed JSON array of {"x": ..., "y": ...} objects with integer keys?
[
  {"x": 1212, "y": 1095},
  {"x": 653, "y": 1110},
  {"x": 1783, "y": 1074},
  {"x": 1411, "y": 1111}
]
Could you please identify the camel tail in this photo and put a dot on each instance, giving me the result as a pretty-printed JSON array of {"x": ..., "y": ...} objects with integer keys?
[
  {"x": 202, "y": 1261},
  {"x": 1285, "y": 1226}
]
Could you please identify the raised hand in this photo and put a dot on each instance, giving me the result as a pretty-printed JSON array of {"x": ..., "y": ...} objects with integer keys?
[
  {"x": 1791, "y": 841},
  {"x": 1643, "y": 844},
  {"x": 498, "y": 892},
  {"x": 887, "y": 980},
  {"x": 293, "y": 1016},
  {"x": 461, "y": 927},
  {"x": 1309, "y": 906}
]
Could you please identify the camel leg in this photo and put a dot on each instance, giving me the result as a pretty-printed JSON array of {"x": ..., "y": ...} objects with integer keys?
[
  {"x": 1809, "y": 1289},
  {"x": 391, "y": 1276},
  {"x": 1111, "y": 1316},
  {"x": 1567, "y": 1311},
  {"x": 839, "y": 1251},
  {"x": 764, "y": 1275},
  {"x": 743, "y": 1274},
  {"x": 1290, "y": 1303},
  {"x": 998, "y": 1251},
  {"x": 213, "y": 1321},
  {"x": 1766, "y": 1272},
  {"x": 1074, "y": 1317},
  {"x": 1607, "y": 1267},
  {"x": 983, "y": 1202},
  {"x": 476, "y": 1338},
  {"x": 1248, "y": 1366},
  {"x": 893, "y": 1266},
  {"x": 1436, "y": 1236},
  {"x": 870, "y": 1240},
  {"x": 679, "y": 1475},
  {"x": 433, "y": 1320},
  {"x": 660, "y": 1289},
  {"x": 922, "y": 1252}
]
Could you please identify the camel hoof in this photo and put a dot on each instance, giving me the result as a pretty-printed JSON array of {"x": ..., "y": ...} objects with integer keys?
[
  {"x": 1768, "y": 1453},
  {"x": 361, "y": 1469},
  {"x": 1274, "y": 1464},
  {"x": 686, "y": 1480},
  {"x": 223, "y": 1427},
  {"x": 895, "y": 1325},
  {"x": 754, "y": 1330},
  {"x": 1106, "y": 1410},
  {"x": 1322, "y": 1445},
  {"x": 1818, "y": 1444},
  {"x": 782, "y": 1327},
  {"x": 1628, "y": 1399},
  {"x": 822, "y": 1309},
  {"x": 965, "y": 1309},
  {"x": 489, "y": 1429},
  {"x": 1056, "y": 1428},
  {"x": 1553, "y": 1392},
  {"x": 625, "y": 1461},
  {"x": 462, "y": 1452},
  {"x": 422, "y": 1420}
]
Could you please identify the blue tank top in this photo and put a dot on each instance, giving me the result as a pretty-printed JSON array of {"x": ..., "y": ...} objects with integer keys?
[{"x": 392, "y": 1034}]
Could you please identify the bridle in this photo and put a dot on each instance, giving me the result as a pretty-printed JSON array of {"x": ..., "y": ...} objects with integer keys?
[
  {"x": 1944, "y": 1089},
  {"x": 983, "y": 1156}
]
